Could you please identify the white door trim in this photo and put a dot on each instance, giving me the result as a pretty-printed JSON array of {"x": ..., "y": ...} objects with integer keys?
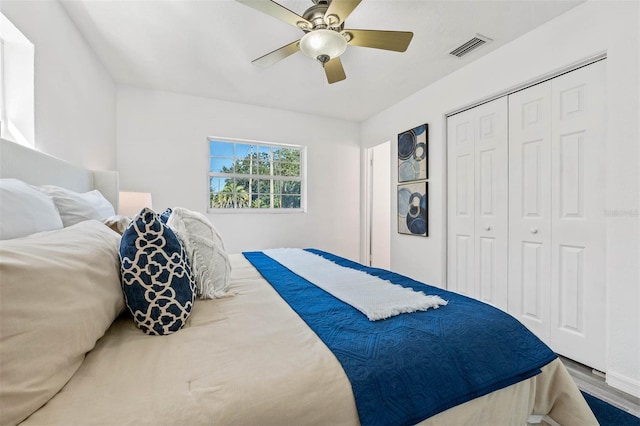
[
  {"x": 369, "y": 204},
  {"x": 532, "y": 82}
]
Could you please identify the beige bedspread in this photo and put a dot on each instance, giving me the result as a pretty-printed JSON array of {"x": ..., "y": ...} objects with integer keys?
[{"x": 250, "y": 360}]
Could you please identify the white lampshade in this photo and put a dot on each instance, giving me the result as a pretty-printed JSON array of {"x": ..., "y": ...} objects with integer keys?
[
  {"x": 130, "y": 203},
  {"x": 323, "y": 42}
]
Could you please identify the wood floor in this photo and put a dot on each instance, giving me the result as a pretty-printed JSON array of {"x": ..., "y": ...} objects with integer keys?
[{"x": 594, "y": 384}]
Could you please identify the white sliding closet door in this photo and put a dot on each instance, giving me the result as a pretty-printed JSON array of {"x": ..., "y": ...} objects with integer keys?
[
  {"x": 578, "y": 219},
  {"x": 477, "y": 173}
]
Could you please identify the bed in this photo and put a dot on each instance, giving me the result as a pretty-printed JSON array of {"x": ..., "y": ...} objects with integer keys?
[{"x": 250, "y": 358}]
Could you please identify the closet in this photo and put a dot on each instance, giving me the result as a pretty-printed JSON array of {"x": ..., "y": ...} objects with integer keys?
[{"x": 526, "y": 209}]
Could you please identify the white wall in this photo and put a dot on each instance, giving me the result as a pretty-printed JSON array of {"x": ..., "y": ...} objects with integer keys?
[
  {"x": 74, "y": 94},
  {"x": 591, "y": 28},
  {"x": 163, "y": 149}
]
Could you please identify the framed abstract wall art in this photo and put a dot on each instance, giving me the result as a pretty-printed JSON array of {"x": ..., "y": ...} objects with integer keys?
[
  {"x": 413, "y": 208},
  {"x": 413, "y": 154}
]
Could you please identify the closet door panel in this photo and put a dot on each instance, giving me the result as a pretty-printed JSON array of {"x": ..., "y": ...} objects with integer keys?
[
  {"x": 532, "y": 305},
  {"x": 477, "y": 178},
  {"x": 491, "y": 207},
  {"x": 578, "y": 221},
  {"x": 460, "y": 153},
  {"x": 530, "y": 207}
]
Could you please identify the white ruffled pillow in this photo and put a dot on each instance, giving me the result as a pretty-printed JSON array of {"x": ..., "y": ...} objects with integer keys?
[
  {"x": 76, "y": 207},
  {"x": 205, "y": 250},
  {"x": 24, "y": 210}
]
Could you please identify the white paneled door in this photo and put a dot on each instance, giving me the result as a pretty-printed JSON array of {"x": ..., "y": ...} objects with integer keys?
[
  {"x": 461, "y": 204},
  {"x": 578, "y": 215},
  {"x": 556, "y": 213},
  {"x": 530, "y": 207},
  {"x": 478, "y": 171},
  {"x": 535, "y": 249}
]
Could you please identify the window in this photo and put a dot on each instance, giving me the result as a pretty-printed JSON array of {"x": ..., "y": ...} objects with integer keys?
[
  {"x": 17, "y": 105},
  {"x": 255, "y": 176}
]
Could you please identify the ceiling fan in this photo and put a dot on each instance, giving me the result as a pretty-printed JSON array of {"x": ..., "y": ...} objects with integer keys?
[{"x": 325, "y": 38}]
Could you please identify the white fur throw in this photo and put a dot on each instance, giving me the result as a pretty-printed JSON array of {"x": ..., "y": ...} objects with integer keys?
[{"x": 205, "y": 250}]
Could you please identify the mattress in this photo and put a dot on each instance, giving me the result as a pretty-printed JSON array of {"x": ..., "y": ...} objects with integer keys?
[{"x": 249, "y": 359}]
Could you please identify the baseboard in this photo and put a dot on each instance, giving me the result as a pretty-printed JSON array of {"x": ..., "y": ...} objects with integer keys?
[{"x": 623, "y": 383}]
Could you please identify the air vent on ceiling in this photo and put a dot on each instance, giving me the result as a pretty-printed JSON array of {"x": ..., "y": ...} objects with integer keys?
[{"x": 470, "y": 45}]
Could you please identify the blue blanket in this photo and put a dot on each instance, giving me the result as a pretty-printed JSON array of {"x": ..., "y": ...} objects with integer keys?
[{"x": 410, "y": 367}]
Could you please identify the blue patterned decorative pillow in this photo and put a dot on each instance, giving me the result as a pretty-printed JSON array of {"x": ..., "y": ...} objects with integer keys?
[
  {"x": 157, "y": 281},
  {"x": 165, "y": 215}
]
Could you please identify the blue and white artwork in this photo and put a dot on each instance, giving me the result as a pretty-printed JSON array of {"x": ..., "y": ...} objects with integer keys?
[
  {"x": 412, "y": 209},
  {"x": 413, "y": 154}
]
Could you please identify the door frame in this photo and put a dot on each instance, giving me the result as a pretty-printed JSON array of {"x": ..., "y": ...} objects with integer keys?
[{"x": 368, "y": 201}]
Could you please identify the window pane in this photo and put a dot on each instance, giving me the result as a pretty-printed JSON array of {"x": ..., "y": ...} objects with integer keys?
[
  {"x": 221, "y": 149},
  {"x": 277, "y": 153},
  {"x": 216, "y": 184},
  {"x": 290, "y": 154},
  {"x": 243, "y": 165},
  {"x": 291, "y": 201},
  {"x": 244, "y": 150},
  {"x": 290, "y": 187},
  {"x": 243, "y": 183},
  {"x": 264, "y": 186},
  {"x": 264, "y": 161},
  {"x": 255, "y": 165},
  {"x": 221, "y": 192},
  {"x": 265, "y": 168},
  {"x": 221, "y": 165},
  {"x": 261, "y": 202},
  {"x": 290, "y": 169},
  {"x": 242, "y": 198}
]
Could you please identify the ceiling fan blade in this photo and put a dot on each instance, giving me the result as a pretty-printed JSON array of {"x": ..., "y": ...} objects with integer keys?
[
  {"x": 340, "y": 8},
  {"x": 277, "y": 55},
  {"x": 334, "y": 71},
  {"x": 397, "y": 41},
  {"x": 278, "y": 11}
]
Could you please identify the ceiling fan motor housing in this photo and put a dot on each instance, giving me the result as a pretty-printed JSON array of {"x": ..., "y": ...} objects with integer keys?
[{"x": 316, "y": 15}]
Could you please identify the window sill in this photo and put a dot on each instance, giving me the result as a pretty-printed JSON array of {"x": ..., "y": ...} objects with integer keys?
[{"x": 255, "y": 211}]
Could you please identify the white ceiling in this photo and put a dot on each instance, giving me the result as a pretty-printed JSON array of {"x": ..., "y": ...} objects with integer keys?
[{"x": 205, "y": 48}]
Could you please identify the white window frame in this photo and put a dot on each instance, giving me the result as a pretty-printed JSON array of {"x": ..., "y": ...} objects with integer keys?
[
  {"x": 256, "y": 210},
  {"x": 17, "y": 71}
]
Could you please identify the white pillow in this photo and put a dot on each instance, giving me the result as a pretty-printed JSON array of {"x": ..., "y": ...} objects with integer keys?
[
  {"x": 25, "y": 210},
  {"x": 205, "y": 250},
  {"x": 75, "y": 207},
  {"x": 117, "y": 223},
  {"x": 60, "y": 292}
]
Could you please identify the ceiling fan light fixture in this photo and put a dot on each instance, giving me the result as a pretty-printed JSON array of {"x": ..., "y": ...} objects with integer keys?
[{"x": 322, "y": 43}]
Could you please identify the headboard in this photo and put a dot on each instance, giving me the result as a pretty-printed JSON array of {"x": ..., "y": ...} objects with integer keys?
[{"x": 37, "y": 168}]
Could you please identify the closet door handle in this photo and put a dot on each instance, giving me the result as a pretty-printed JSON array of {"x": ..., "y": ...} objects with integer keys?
[
  {"x": 534, "y": 230},
  {"x": 487, "y": 228}
]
